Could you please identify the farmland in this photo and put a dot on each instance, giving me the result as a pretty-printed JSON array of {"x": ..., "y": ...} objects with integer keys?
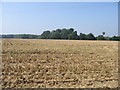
[{"x": 38, "y": 63}]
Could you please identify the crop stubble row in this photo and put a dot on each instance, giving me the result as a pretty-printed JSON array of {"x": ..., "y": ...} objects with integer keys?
[{"x": 59, "y": 63}]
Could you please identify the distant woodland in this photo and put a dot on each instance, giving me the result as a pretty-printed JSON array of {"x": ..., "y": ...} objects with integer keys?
[{"x": 67, "y": 34}]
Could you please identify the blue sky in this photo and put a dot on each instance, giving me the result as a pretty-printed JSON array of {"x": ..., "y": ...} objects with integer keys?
[{"x": 36, "y": 17}]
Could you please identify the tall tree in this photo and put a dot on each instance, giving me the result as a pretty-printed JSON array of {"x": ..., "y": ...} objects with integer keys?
[
  {"x": 90, "y": 36},
  {"x": 82, "y": 36},
  {"x": 55, "y": 35},
  {"x": 70, "y": 30},
  {"x": 64, "y": 33},
  {"x": 58, "y": 30},
  {"x": 45, "y": 35},
  {"x": 103, "y": 33},
  {"x": 73, "y": 36}
]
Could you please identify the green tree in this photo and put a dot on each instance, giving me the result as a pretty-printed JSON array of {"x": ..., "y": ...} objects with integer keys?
[
  {"x": 70, "y": 31},
  {"x": 82, "y": 36},
  {"x": 55, "y": 35},
  {"x": 90, "y": 36},
  {"x": 115, "y": 38},
  {"x": 73, "y": 36},
  {"x": 100, "y": 37},
  {"x": 58, "y": 30},
  {"x": 103, "y": 33},
  {"x": 45, "y": 35},
  {"x": 64, "y": 33},
  {"x": 107, "y": 38}
]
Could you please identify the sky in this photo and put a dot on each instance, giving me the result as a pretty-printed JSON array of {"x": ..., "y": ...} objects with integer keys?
[{"x": 36, "y": 17}]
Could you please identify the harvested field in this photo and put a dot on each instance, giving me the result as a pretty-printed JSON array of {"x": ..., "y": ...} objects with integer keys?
[{"x": 37, "y": 63}]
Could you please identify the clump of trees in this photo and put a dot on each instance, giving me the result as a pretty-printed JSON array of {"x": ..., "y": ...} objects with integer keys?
[
  {"x": 69, "y": 34},
  {"x": 60, "y": 34}
]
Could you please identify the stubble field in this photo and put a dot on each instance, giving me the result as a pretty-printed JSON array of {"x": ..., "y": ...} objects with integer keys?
[{"x": 32, "y": 63}]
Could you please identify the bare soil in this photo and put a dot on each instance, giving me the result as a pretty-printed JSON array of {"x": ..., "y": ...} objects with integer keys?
[{"x": 37, "y": 63}]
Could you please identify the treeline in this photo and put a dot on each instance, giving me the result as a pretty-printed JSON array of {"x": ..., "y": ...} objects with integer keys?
[
  {"x": 21, "y": 36},
  {"x": 68, "y": 34}
]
